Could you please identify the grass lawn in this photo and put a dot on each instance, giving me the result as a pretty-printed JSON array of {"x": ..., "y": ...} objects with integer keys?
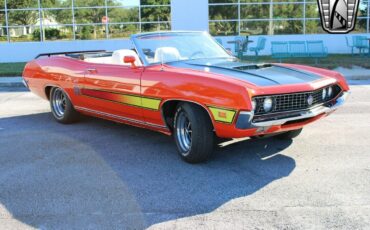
[
  {"x": 330, "y": 62},
  {"x": 11, "y": 69}
]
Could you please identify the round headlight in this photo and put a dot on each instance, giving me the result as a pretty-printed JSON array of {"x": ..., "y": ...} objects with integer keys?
[
  {"x": 267, "y": 104},
  {"x": 254, "y": 104},
  {"x": 323, "y": 94},
  {"x": 330, "y": 92}
]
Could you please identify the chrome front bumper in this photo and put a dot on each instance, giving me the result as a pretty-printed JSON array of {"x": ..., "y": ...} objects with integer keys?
[{"x": 246, "y": 120}]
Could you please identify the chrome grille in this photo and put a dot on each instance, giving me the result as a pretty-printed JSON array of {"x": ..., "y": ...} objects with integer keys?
[{"x": 294, "y": 101}]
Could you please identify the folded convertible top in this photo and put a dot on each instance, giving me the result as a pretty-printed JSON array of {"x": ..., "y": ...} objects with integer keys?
[{"x": 75, "y": 54}]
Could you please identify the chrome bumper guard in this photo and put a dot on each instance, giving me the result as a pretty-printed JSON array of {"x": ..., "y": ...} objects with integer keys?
[{"x": 245, "y": 119}]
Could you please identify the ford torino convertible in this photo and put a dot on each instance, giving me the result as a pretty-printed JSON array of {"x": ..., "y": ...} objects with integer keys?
[{"x": 187, "y": 85}]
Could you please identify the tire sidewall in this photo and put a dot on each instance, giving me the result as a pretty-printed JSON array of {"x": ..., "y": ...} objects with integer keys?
[
  {"x": 70, "y": 115},
  {"x": 202, "y": 137},
  {"x": 178, "y": 112},
  {"x": 52, "y": 92}
]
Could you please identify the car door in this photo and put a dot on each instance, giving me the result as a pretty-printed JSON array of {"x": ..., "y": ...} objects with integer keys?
[{"x": 113, "y": 89}]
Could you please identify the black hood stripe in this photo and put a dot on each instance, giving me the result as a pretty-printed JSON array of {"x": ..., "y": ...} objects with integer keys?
[
  {"x": 236, "y": 69},
  {"x": 261, "y": 75}
]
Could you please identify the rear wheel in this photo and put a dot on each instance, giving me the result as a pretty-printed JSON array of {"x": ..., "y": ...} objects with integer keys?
[
  {"x": 193, "y": 133},
  {"x": 61, "y": 107},
  {"x": 289, "y": 135}
]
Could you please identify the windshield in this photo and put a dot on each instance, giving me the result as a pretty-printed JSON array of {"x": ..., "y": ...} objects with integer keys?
[{"x": 177, "y": 46}]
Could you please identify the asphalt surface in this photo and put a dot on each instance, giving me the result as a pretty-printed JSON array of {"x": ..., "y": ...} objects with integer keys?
[{"x": 98, "y": 174}]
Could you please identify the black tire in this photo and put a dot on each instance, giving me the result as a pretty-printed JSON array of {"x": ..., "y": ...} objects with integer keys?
[
  {"x": 61, "y": 107},
  {"x": 201, "y": 137},
  {"x": 289, "y": 135}
]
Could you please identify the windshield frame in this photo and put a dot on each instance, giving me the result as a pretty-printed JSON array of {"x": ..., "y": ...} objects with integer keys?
[{"x": 134, "y": 40}]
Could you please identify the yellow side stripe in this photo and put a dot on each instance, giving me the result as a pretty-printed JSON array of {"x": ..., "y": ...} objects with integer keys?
[
  {"x": 223, "y": 115},
  {"x": 144, "y": 102},
  {"x": 150, "y": 103},
  {"x": 132, "y": 100}
]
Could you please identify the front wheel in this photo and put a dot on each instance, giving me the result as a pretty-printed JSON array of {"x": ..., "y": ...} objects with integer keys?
[
  {"x": 193, "y": 133},
  {"x": 61, "y": 107}
]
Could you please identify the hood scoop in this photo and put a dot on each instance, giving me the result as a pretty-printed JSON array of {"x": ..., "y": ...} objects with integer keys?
[{"x": 252, "y": 67}]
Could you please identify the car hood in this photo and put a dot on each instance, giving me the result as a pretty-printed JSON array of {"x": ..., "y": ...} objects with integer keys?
[{"x": 257, "y": 74}]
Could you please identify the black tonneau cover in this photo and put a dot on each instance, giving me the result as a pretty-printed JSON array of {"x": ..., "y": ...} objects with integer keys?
[{"x": 77, "y": 54}]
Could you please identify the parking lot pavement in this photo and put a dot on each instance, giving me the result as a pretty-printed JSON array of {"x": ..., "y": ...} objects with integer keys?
[{"x": 97, "y": 174}]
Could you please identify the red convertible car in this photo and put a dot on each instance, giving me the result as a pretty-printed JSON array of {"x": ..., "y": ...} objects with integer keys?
[{"x": 186, "y": 85}]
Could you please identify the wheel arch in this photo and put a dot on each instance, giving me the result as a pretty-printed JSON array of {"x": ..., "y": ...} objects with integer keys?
[
  {"x": 168, "y": 110},
  {"x": 47, "y": 90}
]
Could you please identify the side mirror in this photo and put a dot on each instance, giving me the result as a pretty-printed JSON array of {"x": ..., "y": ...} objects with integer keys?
[{"x": 130, "y": 60}]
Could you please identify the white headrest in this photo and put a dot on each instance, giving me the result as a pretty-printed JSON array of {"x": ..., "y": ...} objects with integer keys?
[
  {"x": 167, "y": 54},
  {"x": 118, "y": 55},
  {"x": 100, "y": 60}
]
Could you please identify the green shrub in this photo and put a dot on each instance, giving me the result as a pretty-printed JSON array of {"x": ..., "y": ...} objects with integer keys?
[{"x": 50, "y": 34}]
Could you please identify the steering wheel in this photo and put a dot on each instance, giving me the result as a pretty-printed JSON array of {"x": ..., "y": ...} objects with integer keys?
[{"x": 196, "y": 53}]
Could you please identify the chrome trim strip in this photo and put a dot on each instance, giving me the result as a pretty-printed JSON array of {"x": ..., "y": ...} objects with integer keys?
[
  {"x": 25, "y": 83},
  {"x": 120, "y": 117},
  {"x": 306, "y": 114},
  {"x": 300, "y": 93}
]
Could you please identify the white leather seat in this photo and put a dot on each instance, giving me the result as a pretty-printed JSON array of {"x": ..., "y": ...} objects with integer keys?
[
  {"x": 100, "y": 60},
  {"x": 118, "y": 55},
  {"x": 167, "y": 54}
]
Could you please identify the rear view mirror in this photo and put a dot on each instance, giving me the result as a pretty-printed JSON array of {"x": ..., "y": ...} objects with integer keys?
[{"x": 130, "y": 60}]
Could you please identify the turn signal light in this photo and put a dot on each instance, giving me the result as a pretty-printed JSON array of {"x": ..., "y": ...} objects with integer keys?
[{"x": 222, "y": 114}]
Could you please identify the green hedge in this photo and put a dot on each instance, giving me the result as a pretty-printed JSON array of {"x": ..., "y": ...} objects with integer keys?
[{"x": 50, "y": 34}]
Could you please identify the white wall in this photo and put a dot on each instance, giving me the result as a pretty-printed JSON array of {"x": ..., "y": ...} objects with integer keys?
[
  {"x": 25, "y": 51},
  {"x": 336, "y": 43}
]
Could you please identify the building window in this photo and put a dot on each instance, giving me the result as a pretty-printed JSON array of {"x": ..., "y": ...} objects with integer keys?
[
  {"x": 269, "y": 17},
  {"x": 53, "y": 20}
]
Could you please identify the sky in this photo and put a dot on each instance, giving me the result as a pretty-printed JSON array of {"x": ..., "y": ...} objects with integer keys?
[{"x": 129, "y": 2}]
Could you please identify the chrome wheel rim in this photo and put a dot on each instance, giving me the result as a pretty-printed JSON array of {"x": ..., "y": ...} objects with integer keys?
[
  {"x": 59, "y": 103},
  {"x": 184, "y": 133}
]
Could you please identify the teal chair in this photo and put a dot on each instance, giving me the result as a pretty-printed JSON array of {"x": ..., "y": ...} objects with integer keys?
[
  {"x": 298, "y": 49},
  {"x": 351, "y": 46},
  {"x": 237, "y": 50},
  {"x": 236, "y": 47},
  {"x": 280, "y": 50},
  {"x": 316, "y": 49},
  {"x": 361, "y": 43},
  {"x": 261, "y": 42}
]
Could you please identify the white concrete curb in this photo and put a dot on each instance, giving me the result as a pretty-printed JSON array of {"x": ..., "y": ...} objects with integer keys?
[
  {"x": 11, "y": 82},
  {"x": 355, "y": 73}
]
